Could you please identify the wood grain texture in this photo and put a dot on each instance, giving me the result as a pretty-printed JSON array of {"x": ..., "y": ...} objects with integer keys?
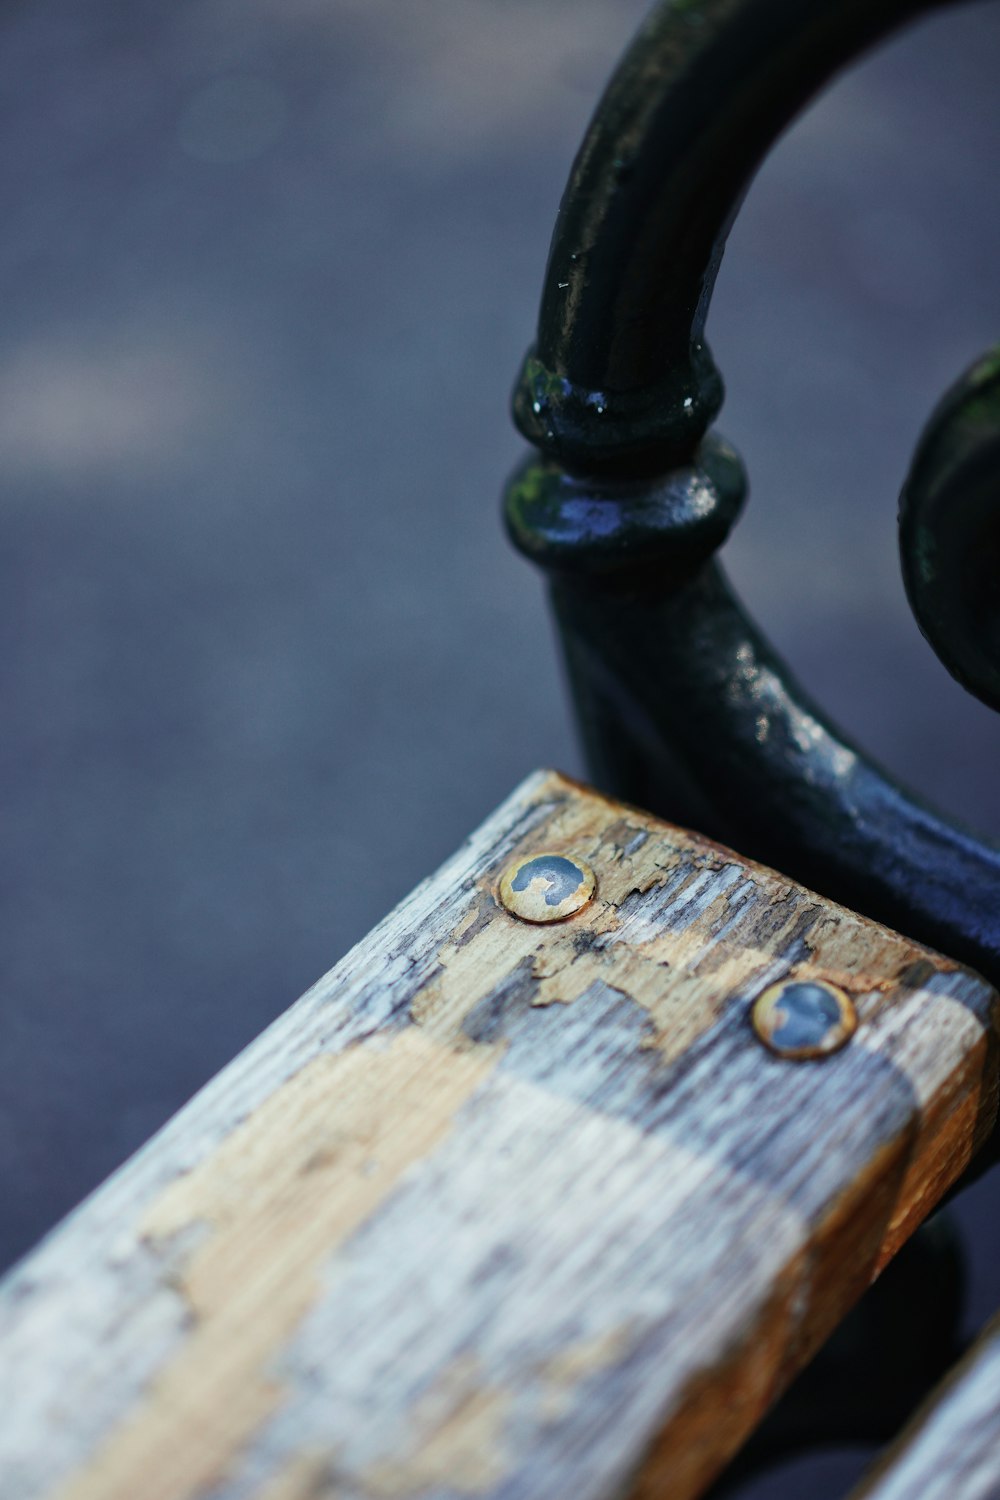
[
  {"x": 951, "y": 1450},
  {"x": 502, "y": 1210}
]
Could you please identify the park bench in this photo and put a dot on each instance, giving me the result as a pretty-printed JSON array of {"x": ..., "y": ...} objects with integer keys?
[{"x": 556, "y": 1182}]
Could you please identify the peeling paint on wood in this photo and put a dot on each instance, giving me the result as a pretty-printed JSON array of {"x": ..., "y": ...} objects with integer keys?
[
  {"x": 501, "y": 1209},
  {"x": 261, "y": 1217}
]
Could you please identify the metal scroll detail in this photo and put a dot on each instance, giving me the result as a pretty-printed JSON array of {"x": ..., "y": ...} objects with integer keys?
[{"x": 684, "y": 706}]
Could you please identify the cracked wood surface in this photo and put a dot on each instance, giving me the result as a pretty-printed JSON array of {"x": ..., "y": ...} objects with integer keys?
[
  {"x": 502, "y": 1210},
  {"x": 951, "y": 1449}
]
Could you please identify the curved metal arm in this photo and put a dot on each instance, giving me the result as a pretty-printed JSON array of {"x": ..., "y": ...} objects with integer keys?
[
  {"x": 949, "y": 531},
  {"x": 620, "y": 375},
  {"x": 684, "y": 706}
]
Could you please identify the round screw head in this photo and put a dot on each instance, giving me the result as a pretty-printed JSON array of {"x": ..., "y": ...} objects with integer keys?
[
  {"x": 547, "y": 887},
  {"x": 800, "y": 1019}
]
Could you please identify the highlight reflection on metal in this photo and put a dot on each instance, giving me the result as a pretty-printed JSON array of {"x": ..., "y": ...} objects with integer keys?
[
  {"x": 801, "y": 1019},
  {"x": 547, "y": 887},
  {"x": 684, "y": 707}
]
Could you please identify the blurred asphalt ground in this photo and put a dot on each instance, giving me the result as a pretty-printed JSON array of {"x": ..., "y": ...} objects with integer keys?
[{"x": 269, "y": 267}]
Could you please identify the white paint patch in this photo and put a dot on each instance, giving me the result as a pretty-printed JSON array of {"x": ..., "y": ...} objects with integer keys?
[{"x": 591, "y": 1231}]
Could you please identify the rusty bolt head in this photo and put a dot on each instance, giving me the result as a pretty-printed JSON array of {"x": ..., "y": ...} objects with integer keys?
[
  {"x": 802, "y": 1019},
  {"x": 547, "y": 887}
]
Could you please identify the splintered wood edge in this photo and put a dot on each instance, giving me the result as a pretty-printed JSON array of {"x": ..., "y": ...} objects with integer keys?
[
  {"x": 951, "y": 1449},
  {"x": 502, "y": 1208}
]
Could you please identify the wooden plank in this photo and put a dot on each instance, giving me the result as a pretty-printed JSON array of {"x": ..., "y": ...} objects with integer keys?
[
  {"x": 951, "y": 1449},
  {"x": 499, "y": 1209}
]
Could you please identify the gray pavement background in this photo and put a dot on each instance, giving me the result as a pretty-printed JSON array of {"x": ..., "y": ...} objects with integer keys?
[{"x": 268, "y": 268}]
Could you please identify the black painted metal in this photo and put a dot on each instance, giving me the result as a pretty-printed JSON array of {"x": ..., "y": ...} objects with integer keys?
[
  {"x": 684, "y": 707},
  {"x": 620, "y": 375},
  {"x": 949, "y": 531}
]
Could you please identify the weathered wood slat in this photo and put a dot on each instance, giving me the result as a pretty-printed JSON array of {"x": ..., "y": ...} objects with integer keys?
[
  {"x": 500, "y": 1209},
  {"x": 951, "y": 1450}
]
